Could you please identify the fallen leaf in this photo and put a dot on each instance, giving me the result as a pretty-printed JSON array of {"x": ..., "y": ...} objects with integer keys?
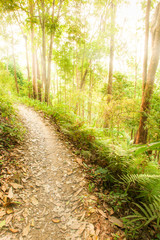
[
  {"x": 91, "y": 229},
  {"x": 2, "y": 213},
  {"x": 69, "y": 173},
  {"x": 116, "y": 221},
  {"x": 79, "y": 161},
  {"x": 10, "y": 193},
  {"x": 16, "y": 185},
  {"x": 102, "y": 213},
  {"x": 56, "y": 220},
  {"x": 8, "y": 219},
  {"x": 14, "y": 230},
  {"x": 98, "y": 229},
  {"x": 2, "y": 223},
  {"x": 34, "y": 201},
  {"x": 1, "y": 195},
  {"x": 26, "y": 230},
  {"x": 78, "y": 192},
  {"x": 4, "y": 187},
  {"x": 80, "y": 230},
  {"x": 32, "y": 222},
  {"x": 93, "y": 197},
  {"x": 9, "y": 210}
]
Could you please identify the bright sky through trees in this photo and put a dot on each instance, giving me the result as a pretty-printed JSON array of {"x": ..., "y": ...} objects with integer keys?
[{"x": 129, "y": 16}]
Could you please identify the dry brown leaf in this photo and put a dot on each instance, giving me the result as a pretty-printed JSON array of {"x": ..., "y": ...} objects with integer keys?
[
  {"x": 2, "y": 212},
  {"x": 80, "y": 230},
  {"x": 10, "y": 193},
  {"x": 102, "y": 213},
  {"x": 93, "y": 197},
  {"x": 26, "y": 230},
  {"x": 1, "y": 195},
  {"x": 98, "y": 229},
  {"x": 116, "y": 221},
  {"x": 32, "y": 222},
  {"x": 69, "y": 173},
  {"x": 79, "y": 161},
  {"x": 9, "y": 218},
  {"x": 16, "y": 185},
  {"x": 78, "y": 192},
  {"x": 56, "y": 220},
  {"x": 14, "y": 230},
  {"x": 34, "y": 201},
  {"x": 9, "y": 210},
  {"x": 4, "y": 187}
]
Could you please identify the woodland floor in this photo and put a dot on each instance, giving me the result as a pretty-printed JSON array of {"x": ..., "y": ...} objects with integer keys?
[{"x": 51, "y": 186}]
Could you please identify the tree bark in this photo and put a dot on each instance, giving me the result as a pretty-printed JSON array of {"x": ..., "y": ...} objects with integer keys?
[
  {"x": 48, "y": 79},
  {"x": 14, "y": 64},
  {"x": 28, "y": 70},
  {"x": 33, "y": 52},
  {"x": 145, "y": 60},
  {"x": 43, "y": 46},
  {"x": 112, "y": 46},
  {"x": 39, "y": 80},
  {"x": 141, "y": 136}
]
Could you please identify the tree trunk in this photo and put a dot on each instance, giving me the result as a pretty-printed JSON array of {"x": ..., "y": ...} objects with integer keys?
[
  {"x": 39, "y": 80},
  {"x": 28, "y": 71},
  {"x": 113, "y": 20},
  {"x": 14, "y": 63},
  {"x": 145, "y": 60},
  {"x": 141, "y": 136},
  {"x": 90, "y": 99},
  {"x": 33, "y": 53},
  {"x": 48, "y": 80},
  {"x": 43, "y": 47}
]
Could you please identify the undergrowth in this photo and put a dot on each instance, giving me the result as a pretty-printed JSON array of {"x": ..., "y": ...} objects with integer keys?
[
  {"x": 130, "y": 173},
  {"x": 11, "y": 130}
]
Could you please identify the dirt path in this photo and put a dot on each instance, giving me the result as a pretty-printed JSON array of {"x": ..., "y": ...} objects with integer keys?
[{"x": 55, "y": 200}]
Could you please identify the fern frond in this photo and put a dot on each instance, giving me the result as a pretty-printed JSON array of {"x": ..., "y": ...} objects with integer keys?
[{"x": 146, "y": 214}]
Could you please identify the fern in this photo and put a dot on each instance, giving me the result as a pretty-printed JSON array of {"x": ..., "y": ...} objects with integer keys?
[
  {"x": 139, "y": 178},
  {"x": 148, "y": 185},
  {"x": 145, "y": 214},
  {"x": 144, "y": 148}
]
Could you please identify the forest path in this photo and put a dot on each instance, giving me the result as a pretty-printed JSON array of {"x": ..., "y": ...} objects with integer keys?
[
  {"x": 53, "y": 195},
  {"x": 55, "y": 202}
]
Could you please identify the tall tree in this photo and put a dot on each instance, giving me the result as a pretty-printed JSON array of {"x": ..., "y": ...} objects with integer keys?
[
  {"x": 52, "y": 34},
  {"x": 112, "y": 46},
  {"x": 14, "y": 64},
  {"x": 145, "y": 60},
  {"x": 141, "y": 136},
  {"x": 31, "y": 6}
]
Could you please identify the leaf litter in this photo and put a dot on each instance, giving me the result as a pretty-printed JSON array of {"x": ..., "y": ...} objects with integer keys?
[{"x": 41, "y": 163}]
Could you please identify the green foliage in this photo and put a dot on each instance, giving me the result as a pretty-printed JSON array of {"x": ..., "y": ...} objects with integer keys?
[
  {"x": 20, "y": 77},
  {"x": 144, "y": 215},
  {"x": 11, "y": 131}
]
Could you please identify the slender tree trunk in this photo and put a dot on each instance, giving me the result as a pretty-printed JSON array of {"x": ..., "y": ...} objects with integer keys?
[
  {"x": 113, "y": 20},
  {"x": 14, "y": 63},
  {"x": 48, "y": 80},
  {"x": 43, "y": 47},
  {"x": 145, "y": 60},
  {"x": 28, "y": 70},
  {"x": 39, "y": 80},
  {"x": 135, "y": 77},
  {"x": 33, "y": 53},
  {"x": 141, "y": 136},
  {"x": 90, "y": 99}
]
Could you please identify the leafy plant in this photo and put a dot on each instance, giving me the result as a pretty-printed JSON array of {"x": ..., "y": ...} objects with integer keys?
[{"x": 145, "y": 215}]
